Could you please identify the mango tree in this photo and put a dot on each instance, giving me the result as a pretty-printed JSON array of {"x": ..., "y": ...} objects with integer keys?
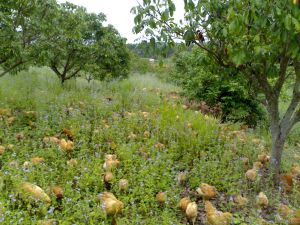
[{"x": 258, "y": 39}]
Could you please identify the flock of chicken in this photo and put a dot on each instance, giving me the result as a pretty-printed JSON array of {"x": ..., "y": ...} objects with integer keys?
[{"x": 113, "y": 206}]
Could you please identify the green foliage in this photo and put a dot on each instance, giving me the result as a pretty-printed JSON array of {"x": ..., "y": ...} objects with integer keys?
[
  {"x": 65, "y": 37},
  {"x": 217, "y": 87},
  {"x": 81, "y": 44},
  {"x": 23, "y": 24}
]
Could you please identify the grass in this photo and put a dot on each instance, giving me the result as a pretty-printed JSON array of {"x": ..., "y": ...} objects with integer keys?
[{"x": 154, "y": 137}]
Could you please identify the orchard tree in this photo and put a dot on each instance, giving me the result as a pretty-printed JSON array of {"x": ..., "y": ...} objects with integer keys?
[
  {"x": 258, "y": 39},
  {"x": 22, "y": 25},
  {"x": 81, "y": 45}
]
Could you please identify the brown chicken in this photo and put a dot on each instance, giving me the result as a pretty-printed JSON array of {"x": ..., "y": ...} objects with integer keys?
[
  {"x": 262, "y": 200},
  {"x": 251, "y": 174},
  {"x": 295, "y": 220},
  {"x": 207, "y": 191},
  {"x": 183, "y": 203},
  {"x": 287, "y": 182},
  {"x": 284, "y": 211},
  {"x": 295, "y": 170},
  {"x": 240, "y": 200},
  {"x": 215, "y": 217}
]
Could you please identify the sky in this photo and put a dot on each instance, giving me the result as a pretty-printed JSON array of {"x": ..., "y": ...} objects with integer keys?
[{"x": 117, "y": 13}]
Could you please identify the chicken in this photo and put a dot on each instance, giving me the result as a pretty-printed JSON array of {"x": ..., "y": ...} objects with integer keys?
[
  {"x": 295, "y": 171},
  {"x": 207, "y": 191},
  {"x": 215, "y": 217},
  {"x": 181, "y": 178},
  {"x": 287, "y": 181},
  {"x": 111, "y": 162},
  {"x": 262, "y": 200},
  {"x": 257, "y": 165},
  {"x": 111, "y": 205},
  {"x": 284, "y": 211},
  {"x": 108, "y": 177},
  {"x": 66, "y": 145},
  {"x": 68, "y": 133},
  {"x": 2, "y": 150},
  {"x": 295, "y": 220},
  {"x": 192, "y": 212},
  {"x": 37, "y": 160},
  {"x": 251, "y": 174},
  {"x": 123, "y": 185},
  {"x": 263, "y": 158},
  {"x": 58, "y": 192},
  {"x": 30, "y": 191},
  {"x": 161, "y": 197},
  {"x": 240, "y": 200},
  {"x": 183, "y": 203}
]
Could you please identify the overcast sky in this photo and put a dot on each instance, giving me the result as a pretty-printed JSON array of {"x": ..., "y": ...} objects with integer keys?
[{"x": 117, "y": 13}]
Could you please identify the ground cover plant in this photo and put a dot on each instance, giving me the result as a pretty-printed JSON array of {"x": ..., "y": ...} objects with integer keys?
[{"x": 136, "y": 139}]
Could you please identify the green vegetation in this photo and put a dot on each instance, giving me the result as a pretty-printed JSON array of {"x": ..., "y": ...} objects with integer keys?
[
  {"x": 65, "y": 37},
  {"x": 256, "y": 39},
  {"x": 183, "y": 140},
  {"x": 230, "y": 95},
  {"x": 143, "y": 122}
]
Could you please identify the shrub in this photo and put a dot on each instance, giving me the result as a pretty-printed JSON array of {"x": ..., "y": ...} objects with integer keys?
[{"x": 201, "y": 80}]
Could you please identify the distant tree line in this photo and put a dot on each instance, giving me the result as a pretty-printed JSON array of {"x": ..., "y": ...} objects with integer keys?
[
  {"x": 146, "y": 49},
  {"x": 64, "y": 37}
]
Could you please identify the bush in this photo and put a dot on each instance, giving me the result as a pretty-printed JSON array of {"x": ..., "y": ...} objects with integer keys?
[{"x": 201, "y": 80}]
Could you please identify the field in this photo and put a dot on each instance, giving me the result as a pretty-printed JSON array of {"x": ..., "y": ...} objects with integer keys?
[{"x": 155, "y": 136}]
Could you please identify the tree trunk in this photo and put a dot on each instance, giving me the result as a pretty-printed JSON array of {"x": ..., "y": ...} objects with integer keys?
[{"x": 277, "y": 149}]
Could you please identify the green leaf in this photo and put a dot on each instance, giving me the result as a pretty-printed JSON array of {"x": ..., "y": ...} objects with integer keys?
[
  {"x": 239, "y": 57},
  {"x": 288, "y": 22},
  {"x": 152, "y": 24},
  {"x": 165, "y": 16}
]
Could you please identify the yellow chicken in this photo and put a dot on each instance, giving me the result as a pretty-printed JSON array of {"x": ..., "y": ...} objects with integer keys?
[
  {"x": 207, "y": 191},
  {"x": 161, "y": 197},
  {"x": 183, "y": 203},
  {"x": 215, "y": 217},
  {"x": 192, "y": 212},
  {"x": 240, "y": 200},
  {"x": 111, "y": 162},
  {"x": 66, "y": 145},
  {"x": 251, "y": 174},
  {"x": 262, "y": 200},
  {"x": 30, "y": 191},
  {"x": 110, "y": 203}
]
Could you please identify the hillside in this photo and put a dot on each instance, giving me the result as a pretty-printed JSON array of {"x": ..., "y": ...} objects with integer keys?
[{"x": 155, "y": 137}]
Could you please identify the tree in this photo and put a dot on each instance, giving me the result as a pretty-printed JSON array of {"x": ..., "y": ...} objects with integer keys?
[
  {"x": 22, "y": 24},
  {"x": 258, "y": 39},
  {"x": 81, "y": 45}
]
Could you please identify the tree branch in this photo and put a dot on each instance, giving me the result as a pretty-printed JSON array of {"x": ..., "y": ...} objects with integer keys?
[
  {"x": 284, "y": 62},
  {"x": 296, "y": 95},
  {"x": 73, "y": 74},
  {"x": 56, "y": 71},
  {"x": 11, "y": 68}
]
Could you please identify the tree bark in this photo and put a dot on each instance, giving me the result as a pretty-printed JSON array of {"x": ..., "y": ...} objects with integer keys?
[{"x": 278, "y": 140}]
